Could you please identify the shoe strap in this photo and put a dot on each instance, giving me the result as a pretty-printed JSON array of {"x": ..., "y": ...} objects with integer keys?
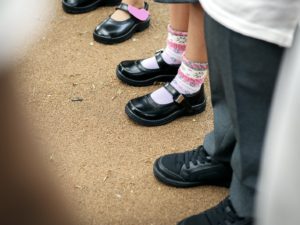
[
  {"x": 178, "y": 98},
  {"x": 140, "y": 14},
  {"x": 159, "y": 59}
]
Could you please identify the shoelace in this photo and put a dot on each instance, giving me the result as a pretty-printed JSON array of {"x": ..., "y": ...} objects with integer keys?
[{"x": 198, "y": 154}]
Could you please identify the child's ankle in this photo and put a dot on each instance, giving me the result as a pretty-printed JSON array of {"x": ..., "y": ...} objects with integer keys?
[{"x": 136, "y": 3}]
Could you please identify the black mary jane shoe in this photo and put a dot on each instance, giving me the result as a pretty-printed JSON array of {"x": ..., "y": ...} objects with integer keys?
[
  {"x": 84, "y": 6},
  {"x": 146, "y": 112},
  {"x": 133, "y": 73},
  {"x": 111, "y": 31}
]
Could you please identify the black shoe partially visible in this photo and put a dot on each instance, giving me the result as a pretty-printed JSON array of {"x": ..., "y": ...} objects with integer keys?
[
  {"x": 145, "y": 111},
  {"x": 133, "y": 73},
  {"x": 111, "y": 31},
  {"x": 222, "y": 214},
  {"x": 191, "y": 168},
  {"x": 84, "y": 6}
]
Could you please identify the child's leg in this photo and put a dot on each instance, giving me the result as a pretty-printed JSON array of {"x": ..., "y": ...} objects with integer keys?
[
  {"x": 191, "y": 74},
  {"x": 196, "y": 48},
  {"x": 177, "y": 37},
  {"x": 179, "y": 17}
]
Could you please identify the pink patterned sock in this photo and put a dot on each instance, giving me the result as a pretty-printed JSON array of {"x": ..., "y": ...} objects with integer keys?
[
  {"x": 176, "y": 44},
  {"x": 189, "y": 80}
]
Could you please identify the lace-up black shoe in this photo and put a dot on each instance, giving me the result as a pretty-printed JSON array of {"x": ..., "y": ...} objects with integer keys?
[
  {"x": 191, "y": 168},
  {"x": 222, "y": 214}
]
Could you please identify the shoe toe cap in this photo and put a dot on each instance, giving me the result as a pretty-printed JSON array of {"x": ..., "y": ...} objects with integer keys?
[
  {"x": 167, "y": 166},
  {"x": 137, "y": 107},
  {"x": 129, "y": 67},
  {"x": 70, "y": 2},
  {"x": 102, "y": 31},
  {"x": 145, "y": 107}
]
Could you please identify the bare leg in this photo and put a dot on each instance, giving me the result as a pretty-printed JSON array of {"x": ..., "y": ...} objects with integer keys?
[
  {"x": 179, "y": 16},
  {"x": 196, "y": 48}
]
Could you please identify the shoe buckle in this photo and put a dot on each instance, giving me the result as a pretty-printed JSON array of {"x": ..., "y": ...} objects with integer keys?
[{"x": 179, "y": 99}]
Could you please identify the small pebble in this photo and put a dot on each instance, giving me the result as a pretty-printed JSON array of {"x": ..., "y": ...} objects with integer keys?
[
  {"x": 119, "y": 196},
  {"x": 78, "y": 187},
  {"x": 52, "y": 157},
  {"x": 76, "y": 99}
]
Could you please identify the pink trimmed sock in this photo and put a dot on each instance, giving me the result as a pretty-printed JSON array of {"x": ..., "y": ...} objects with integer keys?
[
  {"x": 189, "y": 80},
  {"x": 176, "y": 44}
]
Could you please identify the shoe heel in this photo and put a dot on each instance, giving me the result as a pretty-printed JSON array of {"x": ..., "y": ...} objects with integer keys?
[
  {"x": 197, "y": 109},
  {"x": 143, "y": 26}
]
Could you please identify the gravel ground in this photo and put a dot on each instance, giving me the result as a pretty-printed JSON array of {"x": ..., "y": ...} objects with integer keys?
[{"x": 104, "y": 161}]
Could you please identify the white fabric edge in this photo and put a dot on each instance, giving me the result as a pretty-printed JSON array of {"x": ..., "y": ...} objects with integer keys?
[{"x": 246, "y": 28}]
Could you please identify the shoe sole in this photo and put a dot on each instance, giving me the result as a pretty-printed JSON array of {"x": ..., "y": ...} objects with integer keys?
[
  {"x": 79, "y": 10},
  {"x": 144, "y": 83},
  {"x": 184, "y": 184},
  {"x": 180, "y": 113},
  {"x": 136, "y": 28}
]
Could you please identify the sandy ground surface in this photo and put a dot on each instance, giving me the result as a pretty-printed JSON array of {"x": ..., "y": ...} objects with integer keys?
[{"x": 103, "y": 159}]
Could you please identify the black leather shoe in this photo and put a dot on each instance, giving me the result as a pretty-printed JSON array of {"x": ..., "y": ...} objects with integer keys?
[
  {"x": 146, "y": 112},
  {"x": 133, "y": 73},
  {"x": 191, "y": 168},
  {"x": 222, "y": 214},
  {"x": 111, "y": 31},
  {"x": 83, "y": 6}
]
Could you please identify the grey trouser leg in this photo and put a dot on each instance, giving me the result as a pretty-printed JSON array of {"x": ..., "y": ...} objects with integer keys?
[{"x": 243, "y": 74}]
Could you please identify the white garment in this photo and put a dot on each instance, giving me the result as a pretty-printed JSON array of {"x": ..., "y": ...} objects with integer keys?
[
  {"x": 279, "y": 189},
  {"x": 21, "y": 22},
  {"x": 273, "y": 21}
]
